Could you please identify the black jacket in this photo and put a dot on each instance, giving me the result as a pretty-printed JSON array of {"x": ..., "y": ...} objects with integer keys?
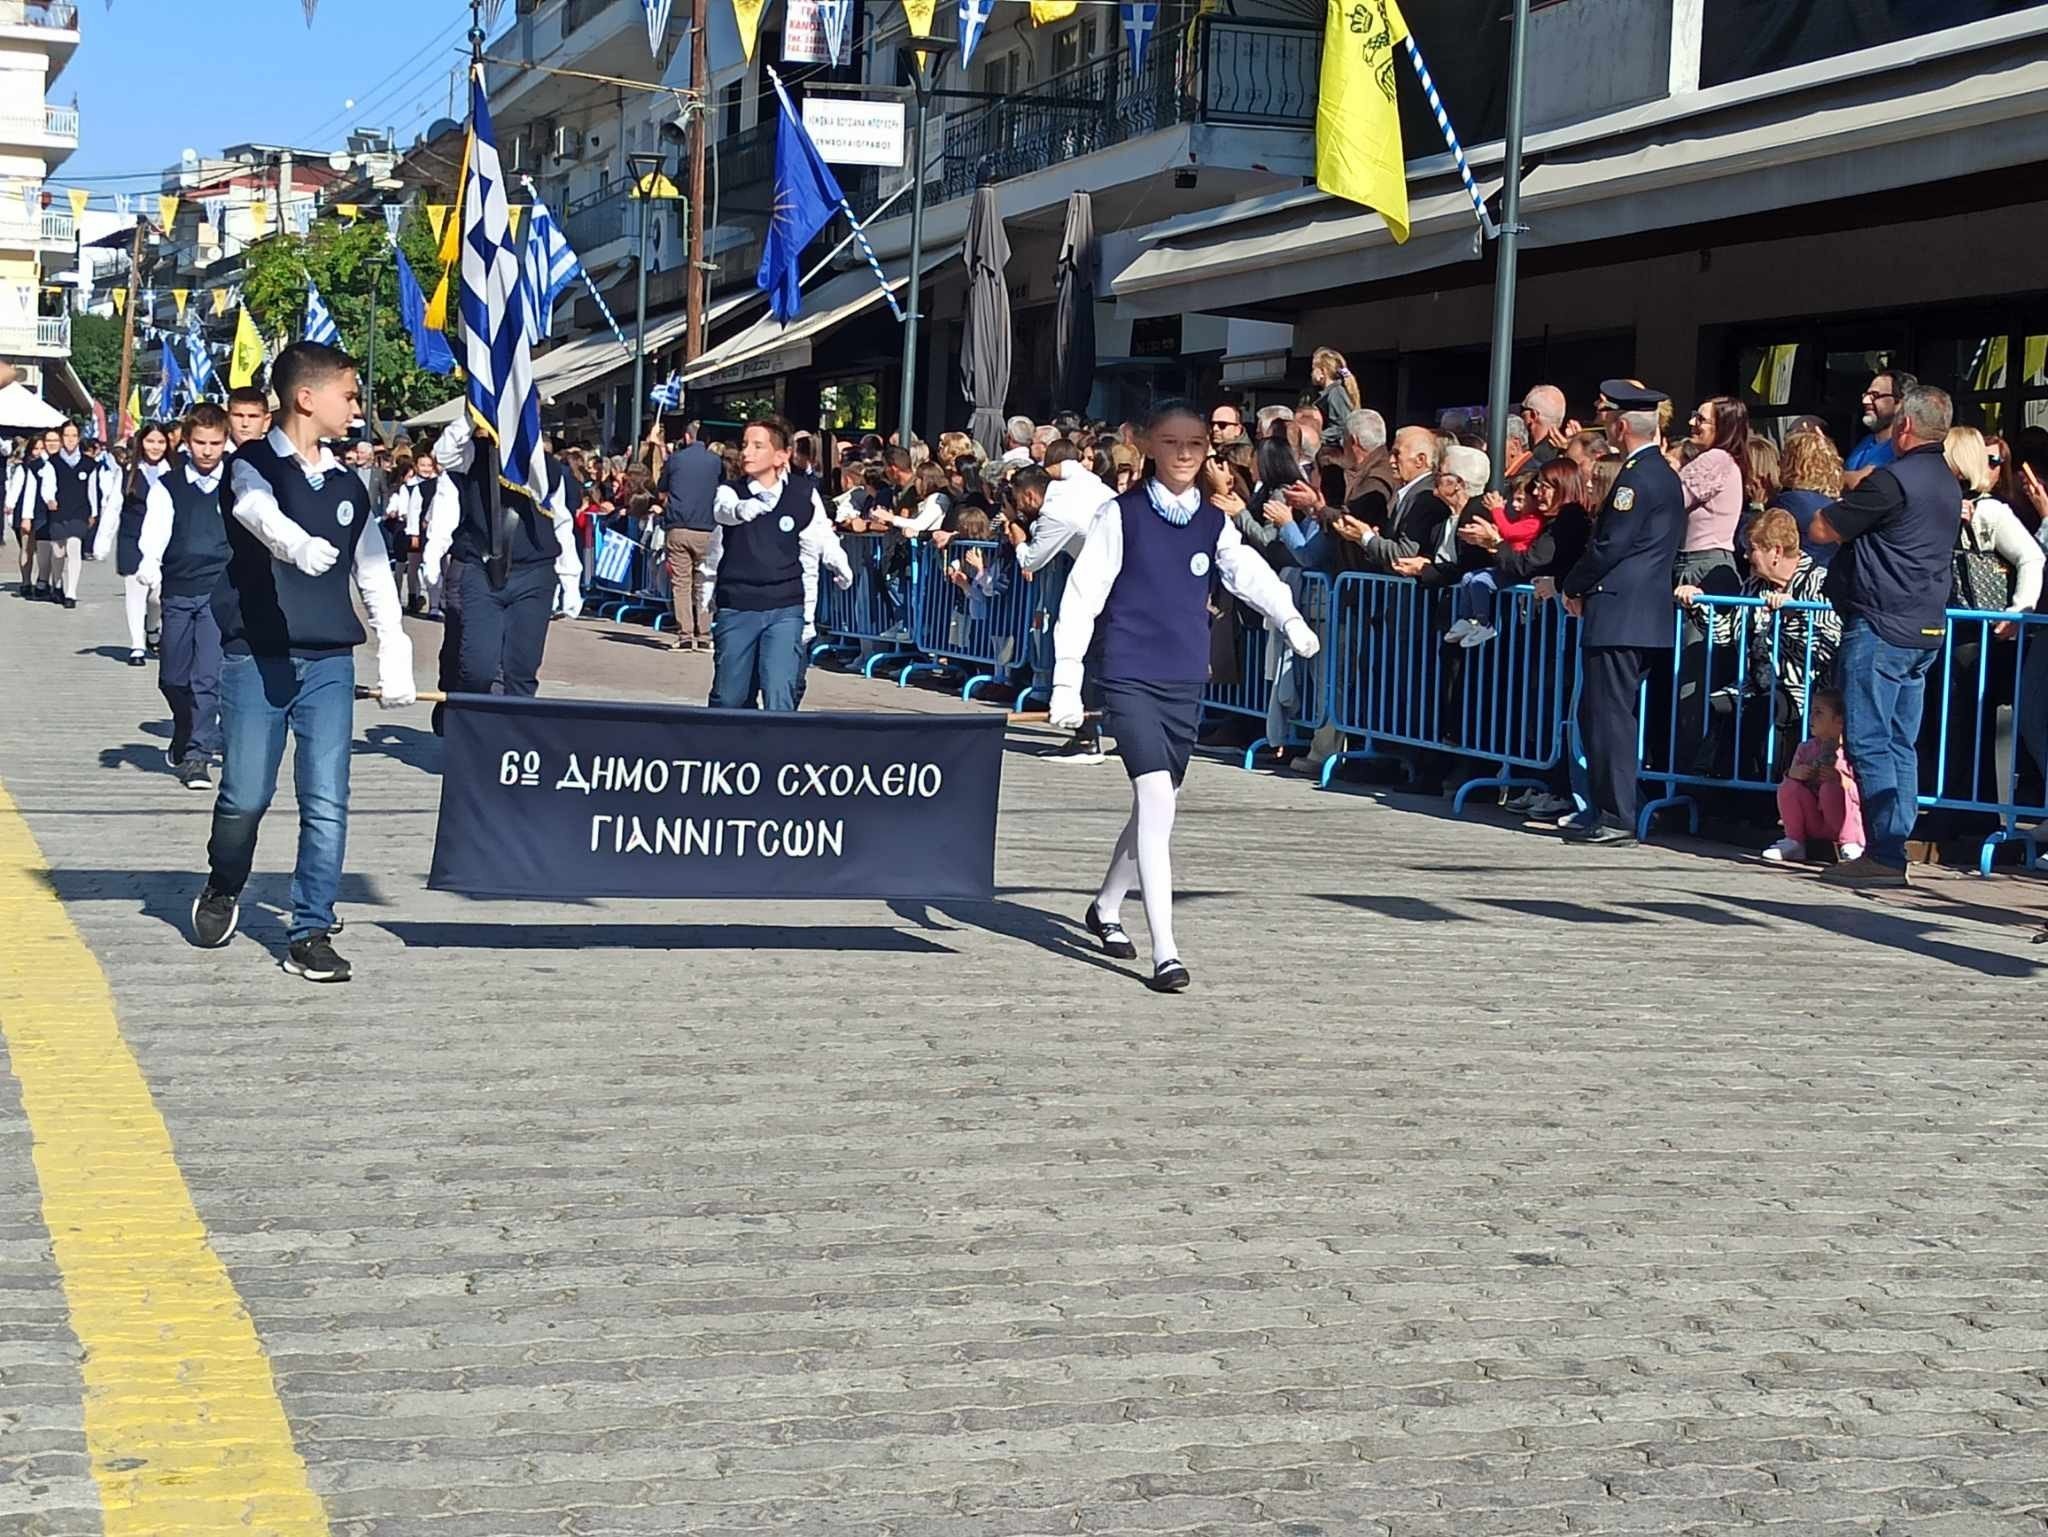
[{"x": 1624, "y": 576}]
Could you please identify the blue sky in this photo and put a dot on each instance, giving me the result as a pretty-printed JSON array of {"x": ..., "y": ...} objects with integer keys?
[{"x": 151, "y": 83}]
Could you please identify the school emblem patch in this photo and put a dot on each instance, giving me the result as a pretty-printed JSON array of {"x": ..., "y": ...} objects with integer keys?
[
  {"x": 345, "y": 514},
  {"x": 787, "y": 524},
  {"x": 1199, "y": 564},
  {"x": 1624, "y": 498}
]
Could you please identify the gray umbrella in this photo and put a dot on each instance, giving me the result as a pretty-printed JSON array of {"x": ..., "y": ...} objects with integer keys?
[
  {"x": 985, "y": 347},
  {"x": 1073, "y": 337}
]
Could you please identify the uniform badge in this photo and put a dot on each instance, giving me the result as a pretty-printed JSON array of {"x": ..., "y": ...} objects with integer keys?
[
  {"x": 345, "y": 514},
  {"x": 1199, "y": 564},
  {"x": 787, "y": 524},
  {"x": 1624, "y": 498}
]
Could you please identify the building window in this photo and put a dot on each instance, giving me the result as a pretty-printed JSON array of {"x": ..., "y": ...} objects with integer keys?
[{"x": 729, "y": 107}]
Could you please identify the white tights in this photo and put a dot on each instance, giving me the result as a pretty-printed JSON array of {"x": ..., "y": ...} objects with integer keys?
[
  {"x": 140, "y": 599},
  {"x": 1144, "y": 858}
]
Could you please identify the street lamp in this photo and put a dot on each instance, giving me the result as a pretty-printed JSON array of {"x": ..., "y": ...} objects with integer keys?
[
  {"x": 925, "y": 63},
  {"x": 646, "y": 169}
]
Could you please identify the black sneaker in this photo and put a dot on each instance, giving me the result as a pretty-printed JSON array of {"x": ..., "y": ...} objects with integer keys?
[
  {"x": 192, "y": 772},
  {"x": 214, "y": 916},
  {"x": 71, "y": 602},
  {"x": 1114, "y": 940},
  {"x": 1081, "y": 747},
  {"x": 314, "y": 959}
]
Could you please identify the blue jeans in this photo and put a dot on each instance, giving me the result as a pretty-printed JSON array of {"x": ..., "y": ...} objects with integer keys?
[
  {"x": 754, "y": 652},
  {"x": 1474, "y": 598},
  {"x": 1883, "y": 687},
  {"x": 260, "y": 699}
]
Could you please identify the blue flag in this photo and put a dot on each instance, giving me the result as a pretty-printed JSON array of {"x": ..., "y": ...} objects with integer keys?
[
  {"x": 429, "y": 347},
  {"x": 806, "y": 198},
  {"x": 173, "y": 384}
]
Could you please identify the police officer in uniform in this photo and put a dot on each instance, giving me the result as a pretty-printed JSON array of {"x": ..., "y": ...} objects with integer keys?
[
  {"x": 1621, "y": 591},
  {"x": 497, "y": 631}
]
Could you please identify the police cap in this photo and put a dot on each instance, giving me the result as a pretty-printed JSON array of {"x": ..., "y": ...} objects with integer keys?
[{"x": 1629, "y": 395}]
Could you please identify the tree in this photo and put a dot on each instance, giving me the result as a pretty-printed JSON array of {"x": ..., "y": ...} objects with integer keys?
[
  {"x": 96, "y": 358},
  {"x": 343, "y": 259}
]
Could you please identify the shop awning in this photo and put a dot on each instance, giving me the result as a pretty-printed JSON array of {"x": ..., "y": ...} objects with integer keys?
[
  {"x": 768, "y": 347},
  {"x": 1859, "y": 137}
]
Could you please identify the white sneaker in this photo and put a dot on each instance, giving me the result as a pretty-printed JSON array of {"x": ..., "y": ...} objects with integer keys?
[
  {"x": 1477, "y": 636},
  {"x": 1849, "y": 851},
  {"x": 1786, "y": 851},
  {"x": 1459, "y": 630}
]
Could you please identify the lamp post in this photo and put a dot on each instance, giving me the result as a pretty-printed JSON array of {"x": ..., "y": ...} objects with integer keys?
[
  {"x": 925, "y": 63},
  {"x": 1503, "y": 360},
  {"x": 646, "y": 169}
]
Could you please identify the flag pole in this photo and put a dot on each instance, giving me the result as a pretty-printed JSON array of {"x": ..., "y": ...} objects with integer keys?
[
  {"x": 499, "y": 564},
  {"x": 1507, "y": 251},
  {"x": 860, "y": 234}
]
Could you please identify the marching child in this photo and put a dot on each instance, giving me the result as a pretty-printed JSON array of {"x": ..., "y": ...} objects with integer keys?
[
  {"x": 184, "y": 553},
  {"x": 1143, "y": 575},
  {"x": 297, "y": 545}
]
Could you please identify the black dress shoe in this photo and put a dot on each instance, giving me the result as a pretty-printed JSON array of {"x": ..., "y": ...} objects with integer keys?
[
  {"x": 1604, "y": 834},
  {"x": 71, "y": 602},
  {"x": 1169, "y": 977},
  {"x": 1115, "y": 941}
]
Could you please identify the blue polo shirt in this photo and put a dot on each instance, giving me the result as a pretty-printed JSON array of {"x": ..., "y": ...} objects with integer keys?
[{"x": 1873, "y": 453}]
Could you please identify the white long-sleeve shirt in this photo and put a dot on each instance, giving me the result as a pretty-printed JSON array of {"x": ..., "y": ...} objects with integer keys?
[
  {"x": 109, "y": 531},
  {"x": 817, "y": 545},
  {"x": 455, "y": 450},
  {"x": 1244, "y": 570},
  {"x": 930, "y": 515},
  {"x": 256, "y": 509},
  {"x": 158, "y": 513},
  {"x": 1071, "y": 502}
]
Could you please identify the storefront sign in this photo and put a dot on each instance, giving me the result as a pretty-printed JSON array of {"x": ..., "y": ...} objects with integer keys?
[
  {"x": 852, "y": 132},
  {"x": 776, "y": 360},
  {"x": 803, "y": 34}
]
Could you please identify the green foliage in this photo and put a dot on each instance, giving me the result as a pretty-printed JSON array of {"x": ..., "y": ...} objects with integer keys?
[
  {"x": 343, "y": 259},
  {"x": 96, "y": 357}
]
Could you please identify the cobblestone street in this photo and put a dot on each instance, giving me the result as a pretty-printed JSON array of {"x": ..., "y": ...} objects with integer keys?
[{"x": 1481, "y": 1185}]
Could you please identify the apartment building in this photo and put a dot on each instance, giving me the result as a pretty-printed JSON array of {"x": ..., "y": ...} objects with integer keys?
[{"x": 37, "y": 240}]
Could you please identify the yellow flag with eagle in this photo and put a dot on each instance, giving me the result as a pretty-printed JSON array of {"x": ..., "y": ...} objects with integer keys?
[{"x": 1358, "y": 121}]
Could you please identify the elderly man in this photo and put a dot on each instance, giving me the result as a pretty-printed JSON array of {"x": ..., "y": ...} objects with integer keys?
[
  {"x": 1017, "y": 434},
  {"x": 1271, "y": 418},
  {"x": 1543, "y": 416},
  {"x": 1327, "y": 538},
  {"x": 1890, "y": 583}
]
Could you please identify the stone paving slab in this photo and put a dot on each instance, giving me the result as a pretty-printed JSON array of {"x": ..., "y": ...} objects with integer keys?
[{"x": 1481, "y": 1185}]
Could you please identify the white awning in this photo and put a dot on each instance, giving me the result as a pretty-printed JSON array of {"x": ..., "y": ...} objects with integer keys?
[
  {"x": 768, "y": 347},
  {"x": 1854, "y": 138}
]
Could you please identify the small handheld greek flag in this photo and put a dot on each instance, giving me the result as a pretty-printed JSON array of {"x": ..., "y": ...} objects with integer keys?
[
  {"x": 320, "y": 326},
  {"x": 669, "y": 393},
  {"x": 614, "y": 558},
  {"x": 551, "y": 266}
]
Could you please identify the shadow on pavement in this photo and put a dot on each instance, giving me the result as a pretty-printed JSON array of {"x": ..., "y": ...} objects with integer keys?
[
  {"x": 658, "y": 936},
  {"x": 406, "y": 744},
  {"x": 113, "y": 653},
  {"x": 1058, "y": 936},
  {"x": 167, "y": 894},
  {"x": 1893, "y": 928},
  {"x": 146, "y": 756}
]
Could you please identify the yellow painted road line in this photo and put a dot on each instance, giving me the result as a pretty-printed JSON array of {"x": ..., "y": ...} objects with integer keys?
[{"x": 182, "y": 1418}]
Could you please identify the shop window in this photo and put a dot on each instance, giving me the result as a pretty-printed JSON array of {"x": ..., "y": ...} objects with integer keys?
[{"x": 849, "y": 404}]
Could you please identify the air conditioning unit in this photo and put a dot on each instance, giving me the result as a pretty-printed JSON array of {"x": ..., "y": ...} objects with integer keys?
[{"x": 567, "y": 144}]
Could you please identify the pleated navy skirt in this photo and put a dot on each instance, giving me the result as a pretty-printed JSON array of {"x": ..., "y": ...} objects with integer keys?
[{"x": 1154, "y": 724}]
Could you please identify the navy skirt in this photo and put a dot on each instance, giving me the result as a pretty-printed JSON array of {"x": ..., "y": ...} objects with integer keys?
[{"x": 1153, "y": 723}]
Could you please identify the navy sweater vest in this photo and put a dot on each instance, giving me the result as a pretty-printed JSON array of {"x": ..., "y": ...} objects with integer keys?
[
  {"x": 197, "y": 554},
  {"x": 760, "y": 563},
  {"x": 1156, "y": 622},
  {"x": 533, "y": 529},
  {"x": 267, "y": 607}
]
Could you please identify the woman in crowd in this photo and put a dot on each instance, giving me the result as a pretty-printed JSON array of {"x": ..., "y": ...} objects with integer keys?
[
  {"x": 148, "y": 458},
  {"x": 1714, "y": 491},
  {"x": 1760, "y": 475},
  {"x": 1336, "y": 393},
  {"x": 1811, "y": 474}
]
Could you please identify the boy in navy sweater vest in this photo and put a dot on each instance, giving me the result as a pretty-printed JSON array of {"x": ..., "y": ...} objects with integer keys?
[
  {"x": 296, "y": 545},
  {"x": 185, "y": 551}
]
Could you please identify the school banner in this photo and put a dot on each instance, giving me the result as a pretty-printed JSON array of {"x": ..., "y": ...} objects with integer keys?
[{"x": 587, "y": 798}]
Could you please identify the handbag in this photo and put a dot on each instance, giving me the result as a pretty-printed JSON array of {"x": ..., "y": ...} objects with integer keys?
[{"x": 1983, "y": 580}]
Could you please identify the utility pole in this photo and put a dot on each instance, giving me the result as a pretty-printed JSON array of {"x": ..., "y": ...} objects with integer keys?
[
  {"x": 370, "y": 356},
  {"x": 700, "y": 85},
  {"x": 1503, "y": 360},
  {"x": 924, "y": 68},
  {"x": 128, "y": 326}
]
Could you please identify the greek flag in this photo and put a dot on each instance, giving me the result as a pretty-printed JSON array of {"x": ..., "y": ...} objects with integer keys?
[
  {"x": 614, "y": 558},
  {"x": 503, "y": 404},
  {"x": 1141, "y": 19},
  {"x": 551, "y": 266},
  {"x": 204, "y": 379},
  {"x": 320, "y": 326},
  {"x": 669, "y": 393},
  {"x": 974, "y": 15},
  {"x": 834, "y": 15},
  {"x": 657, "y": 24}
]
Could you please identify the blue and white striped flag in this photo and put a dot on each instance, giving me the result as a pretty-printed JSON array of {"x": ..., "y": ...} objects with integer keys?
[
  {"x": 1141, "y": 19},
  {"x": 657, "y": 24},
  {"x": 503, "y": 403},
  {"x": 551, "y": 266},
  {"x": 393, "y": 214},
  {"x": 974, "y": 15},
  {"x": 614, "y": 558},
  {"x": 669, "y": 393},
  {"x": 833, "y": 15},
  {"x": 204, "y": 379},
  {"x": 320, "y": 326}
]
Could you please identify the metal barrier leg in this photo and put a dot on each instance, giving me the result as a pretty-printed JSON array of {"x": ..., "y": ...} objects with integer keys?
[
  {"x": 919, "y": 664},
  {"x": 1648, "y": 813},
  {"x": 1506, "y": 779},
  {"x": 2010, "y": 833},
  {"x": 967, "y": 689},
  {"x": 1359, "y": 754}
]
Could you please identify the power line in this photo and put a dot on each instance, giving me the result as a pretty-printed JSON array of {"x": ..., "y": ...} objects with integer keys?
[{"x": 383, "y": 87}]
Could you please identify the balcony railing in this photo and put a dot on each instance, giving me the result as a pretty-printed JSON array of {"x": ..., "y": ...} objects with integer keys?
[
  {"x": 58, "y": 228},
  {"x": 61, "y": 123},
  {"x": 53, "y": 333},
  {"x": 1247, "y": 73},
  {"x": 57, "y": 15},
  {"x": 606, "y": 215}
]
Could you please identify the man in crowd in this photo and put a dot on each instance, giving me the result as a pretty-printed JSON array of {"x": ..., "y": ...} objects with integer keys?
[
  {"x": 1335, "y": 539},
  {"x": 1017, "y": 440},
  {"x": 1621, "y": 592},
  {"x": 1226, "y": 425},
  {"x": 688, "y": 487},
  {"x": 1890, "y": 583},
  {"x": 1543, "y": 415},
  {"x": 1880, "y": 420}
]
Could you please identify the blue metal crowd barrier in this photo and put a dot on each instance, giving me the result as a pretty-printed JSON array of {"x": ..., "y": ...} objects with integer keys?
[
  {"x": 877, "y": 611},
  {"x": 981, "y": 628},
  {"x": 1395, "y": 681},
  {"x": 1263, "y": 660},
  {"x": 1970, "y": 693}
]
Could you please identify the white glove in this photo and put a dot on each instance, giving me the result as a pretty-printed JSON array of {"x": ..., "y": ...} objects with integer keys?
[
  {"x": 1065, "y": 711},
  {"x": 572, "y": 602},
  {"x": 151, "y": 572},
  {"x": 315, "y": 557},
  {"x": 1301, "y": 639},
  {"x": 395, "y": 687}
]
